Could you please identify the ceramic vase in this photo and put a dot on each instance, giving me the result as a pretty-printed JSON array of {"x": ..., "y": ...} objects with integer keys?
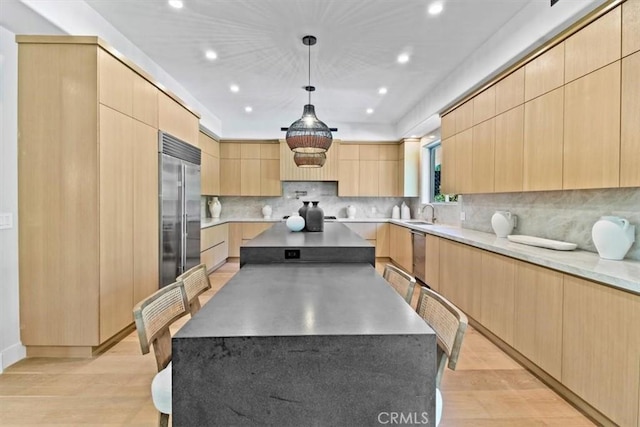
[
  {"x": 613, "y": 236},
  {"x": 215, "y": 207},
  {"x": 351, "y": 211},
  {"x": 303, "y": 210},
  {"x": 315, "y": 218},
  {"x": 266, "y": 211},
  {"x": 502, "y": 223},
  {"x": 295, "y": 222}
]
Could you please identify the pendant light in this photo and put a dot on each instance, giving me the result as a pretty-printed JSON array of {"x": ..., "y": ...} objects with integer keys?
[
  {"x": 309, "y": 160},
  {"x": 309, "y": 135}
]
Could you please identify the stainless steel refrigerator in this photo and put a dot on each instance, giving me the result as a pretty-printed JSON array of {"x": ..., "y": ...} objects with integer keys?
[{"x": 179, "y": 207}]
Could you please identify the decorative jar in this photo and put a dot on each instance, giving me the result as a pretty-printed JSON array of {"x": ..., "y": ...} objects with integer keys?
[
  {"x": 613, "y": 236},
  {"x": 502, "y": 223},
  {"x": 295, "y": 222},
  {"x": 315, "y": 218},
  {"x": 215, "y": 207}
]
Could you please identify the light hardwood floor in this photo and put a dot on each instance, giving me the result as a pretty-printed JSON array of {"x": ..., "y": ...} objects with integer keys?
[{"x": 487, "y": 389}]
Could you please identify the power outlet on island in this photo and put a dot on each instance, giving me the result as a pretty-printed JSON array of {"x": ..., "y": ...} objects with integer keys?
[{"x": 292, "y": 254}]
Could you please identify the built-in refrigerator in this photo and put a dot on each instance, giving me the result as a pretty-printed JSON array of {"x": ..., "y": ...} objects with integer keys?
[{"x": 179, "y": 207}]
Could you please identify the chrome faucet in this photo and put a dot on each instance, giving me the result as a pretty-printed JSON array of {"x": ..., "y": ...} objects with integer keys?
[{"x": 433, "y": 213}]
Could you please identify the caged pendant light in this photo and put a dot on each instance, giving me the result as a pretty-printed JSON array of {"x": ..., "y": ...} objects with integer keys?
[{"x": 308, "y": 137}]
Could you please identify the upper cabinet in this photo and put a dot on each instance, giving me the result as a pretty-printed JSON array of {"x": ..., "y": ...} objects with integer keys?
[
  {"x": 594, "y": 46},
  {"x": 210, "y": 168},
  {"x": 250, "y": 169},
  {"x": 176, "y": 120},
  {"x": 368, "y": 170},
  {"x": 290, "y": 172},
  {"x": 566, "y": 119}
]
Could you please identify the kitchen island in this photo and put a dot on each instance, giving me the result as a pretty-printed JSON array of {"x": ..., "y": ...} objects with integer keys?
[
  {"x": 336, "y": 244},
  {"x": 304, "y": 344}
]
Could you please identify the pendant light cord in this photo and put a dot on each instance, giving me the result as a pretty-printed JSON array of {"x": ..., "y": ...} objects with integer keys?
[{"x": 309, "y": 73}]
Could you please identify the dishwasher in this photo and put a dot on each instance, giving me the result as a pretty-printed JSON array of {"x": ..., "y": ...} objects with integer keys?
[{"x": 419, "y": 256}]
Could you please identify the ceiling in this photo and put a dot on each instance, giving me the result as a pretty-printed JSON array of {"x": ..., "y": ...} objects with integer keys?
[{"x": 259, "y": 49}]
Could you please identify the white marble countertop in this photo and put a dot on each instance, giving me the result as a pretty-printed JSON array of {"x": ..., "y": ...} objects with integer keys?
[{"x": 619, "y": 274}]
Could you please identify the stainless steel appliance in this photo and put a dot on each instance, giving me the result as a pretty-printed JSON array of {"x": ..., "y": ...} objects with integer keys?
[
  {"x": 418, "y": 238},
  {"x": 179, "y": 207}
]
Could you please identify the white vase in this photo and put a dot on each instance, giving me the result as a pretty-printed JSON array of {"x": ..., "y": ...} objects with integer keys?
[
  {"x": 295, "y": 222},
  {"x": 502, "y": 223},
  {"x": 613, "y": 236},
  {"x": 266, "y": 211},
  {"x": 351, "y": 211},
  {"x": 215, "y": 208}
]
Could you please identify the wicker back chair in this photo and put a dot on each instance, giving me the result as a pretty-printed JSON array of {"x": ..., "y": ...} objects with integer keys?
[
  {"x": 400, "y": 280},
  {"x": 153, "y": 316},
  {"x": 196, "y": 281},
  {"x": 449, "y": 324}
]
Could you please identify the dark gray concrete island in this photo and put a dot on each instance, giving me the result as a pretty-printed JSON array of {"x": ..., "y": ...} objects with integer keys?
[
  {"x": 337, "y": 243},
  {"x": 304, "y": 344}
]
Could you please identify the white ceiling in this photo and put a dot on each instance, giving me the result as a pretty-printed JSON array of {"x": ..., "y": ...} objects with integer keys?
[{"x": 259, "y": 48}]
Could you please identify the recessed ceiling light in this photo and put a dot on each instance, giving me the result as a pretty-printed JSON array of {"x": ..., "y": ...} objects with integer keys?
[
  {"x": 435, "y": 8},
  {"x": 248, "y": 109},
  {"x": 414, "y": 136},
  {"x": 234, "y": 88},
  {"x": 211, "y": 55},
  {"x": 403, "y": 58},
  {"x": 431, "y": 136},
  {"x": 369, "y": 110},
  {"x": 382, "y": 90},
  {"x": 177, "y": 4}
]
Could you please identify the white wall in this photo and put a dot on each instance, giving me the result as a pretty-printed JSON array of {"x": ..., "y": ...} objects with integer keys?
[{"x": 11, "y": 350}]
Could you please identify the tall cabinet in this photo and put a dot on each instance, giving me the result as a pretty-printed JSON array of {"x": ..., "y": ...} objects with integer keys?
[{"x": 88, "y": 191}]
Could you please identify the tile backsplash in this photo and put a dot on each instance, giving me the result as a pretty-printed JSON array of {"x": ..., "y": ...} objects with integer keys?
[
  {"x": 294, "y": 192},
  {"x": 559, "y": 215}
]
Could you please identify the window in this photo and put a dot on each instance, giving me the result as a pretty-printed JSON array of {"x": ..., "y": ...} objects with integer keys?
[{"x": 432, "y": 167}]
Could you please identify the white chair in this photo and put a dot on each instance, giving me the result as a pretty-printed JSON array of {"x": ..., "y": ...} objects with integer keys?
[
  {"x": 400, "y": 280},
  {"x": 449, "y": 324},
  {"x": 196, "y": 281},
  {"x": 153, "y": 316}
]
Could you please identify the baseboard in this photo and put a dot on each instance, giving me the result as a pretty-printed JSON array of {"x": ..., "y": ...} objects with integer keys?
[{"x": 11, "y": 355}]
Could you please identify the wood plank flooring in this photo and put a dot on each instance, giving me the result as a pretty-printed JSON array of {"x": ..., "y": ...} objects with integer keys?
[{"x": 487, "y": 389}]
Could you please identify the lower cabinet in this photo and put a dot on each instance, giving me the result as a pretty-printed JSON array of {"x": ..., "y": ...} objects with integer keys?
[
  {"x": 582, "y": 333},
  {"x": 242, "y": 232},
  {"x": 375, "y": 233},
  {"x": 214, "y": 245},
  {"x": 401, "y": 247}
]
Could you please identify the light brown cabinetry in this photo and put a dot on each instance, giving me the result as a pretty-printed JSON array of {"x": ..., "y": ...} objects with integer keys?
[
  {"x": 448, "y": 125},
  {"x": 88, "y": 185},
  {"x": 210, "y": 167},
  {"x": 484, "y": 105},
  {"x": 290, "y": 172},
  {"x": 630, "y": 121},
  {"x": 464, "y": 116},
  {"x": 464, "y": 162},
  {"x": 542, "y": 155},
  {"x": 368, "y": 170},
  {"x": 383, "y": 239},
  {"x": 176, "y": 120},
  {"x": 544, "y": 73},
  {"x": 594, "y": 46},
  {"x": 375, "y": 233},
  {"x": 242, "y": 232},
  {"x": 510, "y": 91},
  {"x": 509, "y": 146},
  {"x": 482, "y": 164},
  {"x": 250, "y": 169},
  {"x": 630, "y": 27},
  {"x": 591, "y": 157},
  {"x": 459, "y": 281},
  {"x": 214, "y": 245},
  {"x": 497, "y": 277},
  {"x": 401, "y": 247},
  {"x": 448, "y": 183},
  {"x": 601, "y": 347},
  {"x": 538, "y": 316},
  {"x": 432, "y": 262}
]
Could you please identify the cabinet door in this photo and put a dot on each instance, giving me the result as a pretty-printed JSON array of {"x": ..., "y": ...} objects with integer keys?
[
  {"x": 545, "y": 73},
  {"x": 405, "y": 249},
  {"x": 229, "y": 177},
  {"x": 176, "y": 120},
  {"x": 388, "y": 152},
  {"x": 250, "y": 173},
  {"x": 630, "y": 133},
  {"x": 290, "y": 172},
  {"x": 594, "y": 46},
  {"x": 349, "y": 178},
  {"x": 464, "y": 162},
  {"x": 145, "y": 101},
  {"x": 383, "y": 239},
  {"x": 482, "y": 165},
  {"x": 432, "y": 262},
  {"x": 538, "y": 316},
  {"x": 448, "y": 183},
  {"x": 464, "y": 116},
  {"x": 543, "y": 134},
  {"x": 369, "y": 152},
  {"x": 498, "y": 276},
  {"x": 215, "y": 176},
  {"x": 630, "y": 27},
  {"x": 235, "y": 238},
  {"x": 484, "y": 105},
  {"x": 508, "y": 151},
  {"x": 459, "y": 279},
  {"x": 388, "y": 178},
  {"x": 251, "y": 229},
  {"x": 270, "y": 177},
  {"x": 207, "y": 174},
  {"x": 510, "y": 91},
  {"x": 601, "y": 348},
  {"x": 145, "y": 211},
  {"x": 592, "y": 130},
  {"x": 116, "y": 83},
  {"x": 369, "y": 174},
  {"x": 270, "y": 151},
  {"x": 448, "y": 125},
  {"x": 116, "y": 222},
  {"x": 250, "y": 150}
]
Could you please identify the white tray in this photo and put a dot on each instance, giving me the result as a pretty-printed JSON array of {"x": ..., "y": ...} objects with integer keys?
[{"x": 542, "y": 243}]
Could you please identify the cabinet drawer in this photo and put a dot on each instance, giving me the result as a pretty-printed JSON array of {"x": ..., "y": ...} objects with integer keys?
[
  {"x": 215, "y": 255},
  {"x": 213, "y": 235}
]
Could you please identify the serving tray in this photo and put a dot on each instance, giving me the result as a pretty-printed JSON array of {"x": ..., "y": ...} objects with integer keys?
[{"x": 542, "y": 243}]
